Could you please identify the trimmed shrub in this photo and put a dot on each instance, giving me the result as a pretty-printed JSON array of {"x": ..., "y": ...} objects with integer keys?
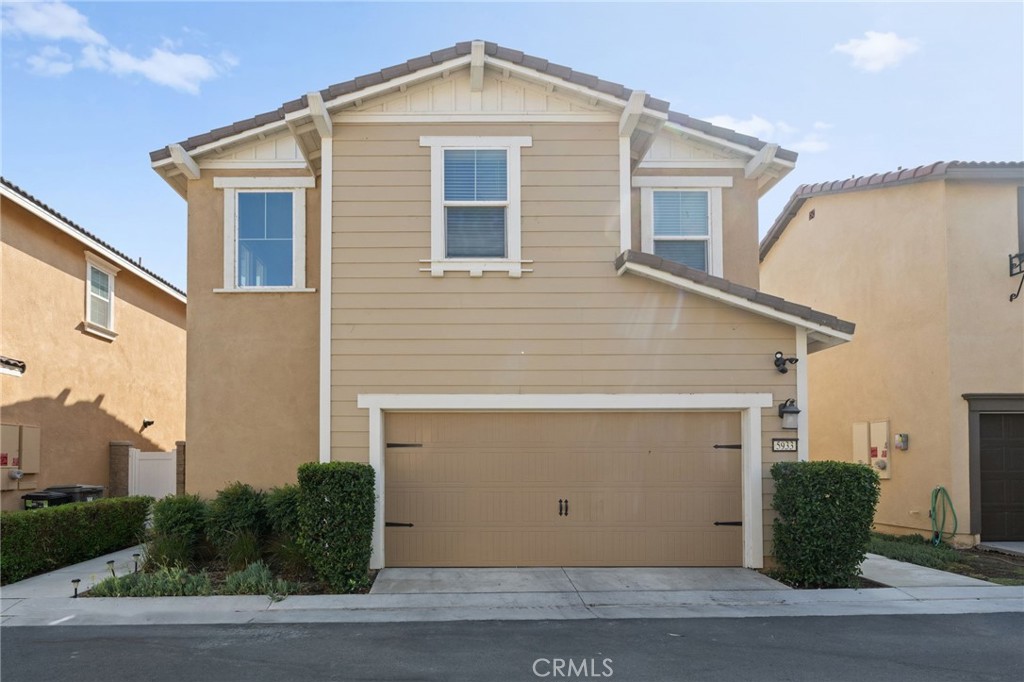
[
  {"x": 237, "y": 509},
  {"x": 179, "y": 530},
  {"x": 824, "y": 525},
  {"x": 39, "y": 540},
  {"x": 181, "y": 516},
  {"x": 336, "y": 504},
  {"x": 283, "y": 510},
  {"x": 167, "y": 581}
]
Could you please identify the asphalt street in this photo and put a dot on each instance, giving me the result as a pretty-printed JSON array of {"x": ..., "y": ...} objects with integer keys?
[{"x": 875, "y": 648}]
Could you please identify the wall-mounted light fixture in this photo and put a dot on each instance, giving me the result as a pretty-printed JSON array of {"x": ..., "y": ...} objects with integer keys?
[
  {"x": 781, "y": 361},
  {"x": 146, "y": 423},
  {"x": 788, "y": 412}
]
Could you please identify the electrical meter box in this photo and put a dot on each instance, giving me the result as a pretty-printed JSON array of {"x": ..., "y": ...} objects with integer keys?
[{"x": 871, "y": 446}]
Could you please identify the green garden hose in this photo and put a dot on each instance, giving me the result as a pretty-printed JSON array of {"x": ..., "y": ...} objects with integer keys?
[{"x": 940, "y": 496}]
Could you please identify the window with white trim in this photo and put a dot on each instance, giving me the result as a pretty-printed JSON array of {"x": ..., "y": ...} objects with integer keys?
[
  {"x": 681, "y": 230},
  {"x": 99, "y": 296},
  {"x": 264, "y": 233},
  {"x": 681, "y": 220},
  {"x": 475, "y": 218}
]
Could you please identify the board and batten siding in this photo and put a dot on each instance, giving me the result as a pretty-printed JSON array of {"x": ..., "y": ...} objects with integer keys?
[{"x": 571, "y": 326}]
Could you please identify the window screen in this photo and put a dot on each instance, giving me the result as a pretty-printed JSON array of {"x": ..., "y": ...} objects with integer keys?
[
  {"x": 476, "y": 202},
  {"x": 681, "y": 227}
]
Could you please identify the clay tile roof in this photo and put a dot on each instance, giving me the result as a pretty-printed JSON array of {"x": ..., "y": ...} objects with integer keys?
[
  {"x": 979, "y": 170},
  {"x": 753, "y": 295},
  {"x": 539, "y": 64},
  {"x": 14, "y": 188}
]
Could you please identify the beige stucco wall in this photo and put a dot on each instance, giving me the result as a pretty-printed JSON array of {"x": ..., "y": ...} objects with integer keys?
[
  {"x": 252, "y": 361},
  {"x": 81, "y": 390},
  {"x": 571, "y": 326},
  {"x": 880, "y": 258},
  {"x": 986, "y": 329}
]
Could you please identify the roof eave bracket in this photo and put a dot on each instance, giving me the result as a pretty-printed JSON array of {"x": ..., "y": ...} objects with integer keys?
[{"x": 184, "y": 162}]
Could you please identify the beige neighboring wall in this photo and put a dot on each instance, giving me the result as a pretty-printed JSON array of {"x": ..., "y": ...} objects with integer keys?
[
  {"x": 571, "y": 326},
  {"x": 252, "y": 358},
  {"x": 81, "y": 390},
  {"x": 921, "y": 268},
  {"x": 986, "y": 329}
]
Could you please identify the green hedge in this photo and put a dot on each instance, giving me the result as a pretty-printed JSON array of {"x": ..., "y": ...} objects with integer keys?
[
  {"x": 336, "y": 504},
  {"x": 824, "y": 525},
  {"x": 40, "y": 540}
]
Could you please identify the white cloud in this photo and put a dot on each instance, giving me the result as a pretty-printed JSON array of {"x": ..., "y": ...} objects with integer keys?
[
  {"x": 755, "y": 125},
  {"x": 877, "y": 51},
  {"x": 50, "y": 21},
  {"x": 165, "y": 65},
  {"x": 50, "y": 61},
  {"x": 789, "y": 136},
  {"x": 811, "y": 143}
]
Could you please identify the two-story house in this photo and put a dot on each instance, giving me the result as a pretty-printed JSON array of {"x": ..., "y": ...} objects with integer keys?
[
  {"x": 525, "y": 295},
  {"x": 932, "y": 392},
  {"x": 92, "y": 350}
]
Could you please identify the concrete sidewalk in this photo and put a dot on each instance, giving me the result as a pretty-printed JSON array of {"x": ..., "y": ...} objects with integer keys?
[{"x": 402, "y": 595}]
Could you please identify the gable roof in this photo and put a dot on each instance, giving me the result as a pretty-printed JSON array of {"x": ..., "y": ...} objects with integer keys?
[
  {"x": 940, "y": 170},
  {"x": 120, "y": 259},
  {"x": 538, "y": 64},
  {"x": 825, "y": 330}
]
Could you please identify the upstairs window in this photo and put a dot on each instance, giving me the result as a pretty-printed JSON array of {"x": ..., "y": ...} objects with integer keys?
[
  {"x": 264, "y": 233},
  {"x": 99, "y": 297},
  {"x": 681, "y": 227},
  {"x": 681, "y": 219},
  {"x": 266, "y": 240},
  {"x": 475, "y": 215},
  {"x": 475, "y": 203}
]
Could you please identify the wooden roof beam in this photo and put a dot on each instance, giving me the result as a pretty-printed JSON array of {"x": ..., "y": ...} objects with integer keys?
[
  {"x": 183, "y": 162},
  {"x": 318, "y": 112},
  {"x": 757, "y": 166},
  {"x": 632, "y": 114},
  {"x": 476, "y": 66}
]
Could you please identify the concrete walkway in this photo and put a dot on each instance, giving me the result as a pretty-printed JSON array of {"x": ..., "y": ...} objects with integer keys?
[{"x": 402, "y": 595}]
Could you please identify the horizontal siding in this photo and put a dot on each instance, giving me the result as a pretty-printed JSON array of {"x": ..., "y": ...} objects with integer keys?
[{"x": 573, "y": 325}]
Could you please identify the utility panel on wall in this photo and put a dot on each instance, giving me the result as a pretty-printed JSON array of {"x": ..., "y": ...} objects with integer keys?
[{"x": 871, "y": 446}]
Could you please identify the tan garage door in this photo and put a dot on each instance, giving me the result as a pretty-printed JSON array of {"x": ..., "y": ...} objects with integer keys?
[{"x": 562, "y": 489}]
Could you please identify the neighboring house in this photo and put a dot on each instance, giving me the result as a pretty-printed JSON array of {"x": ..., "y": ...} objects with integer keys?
[
  {"x": 92, "y": 345},
  {"x": 919, "y": 258},
  {"x": 525, "y": 295}
]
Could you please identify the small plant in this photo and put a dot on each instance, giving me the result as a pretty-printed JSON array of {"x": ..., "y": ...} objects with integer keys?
[
  {"x": 287, "y": 556},
  {"x": 167, "y": 550},
  {"x": 167, "y": 581},
  {"x": 241, "y": 549},
  {"x": 238, "y": 508},
  {"x": 824, "y": 523},
  {"x": 283, "y": 510},
  {"x": 336, "y": 511},
  {"x": 256, "y": 578},
  {"x": 914, "y": 549}
]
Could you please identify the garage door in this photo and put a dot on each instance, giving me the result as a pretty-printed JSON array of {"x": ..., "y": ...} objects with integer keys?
[
  {"x": 562, "y": 489},
  {"x": 1002, "y": 476}
]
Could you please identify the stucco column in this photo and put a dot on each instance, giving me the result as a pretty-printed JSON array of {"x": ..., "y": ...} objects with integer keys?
[
  {"x": 118, "y": 485},
  {"x": 180, "y": 467}
]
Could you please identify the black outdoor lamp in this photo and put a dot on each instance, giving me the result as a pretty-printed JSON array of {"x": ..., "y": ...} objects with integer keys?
[{"x": 788, "y": 412}]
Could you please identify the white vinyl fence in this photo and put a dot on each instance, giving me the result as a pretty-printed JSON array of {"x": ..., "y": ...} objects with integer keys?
[{"x": 152, "y": 473}]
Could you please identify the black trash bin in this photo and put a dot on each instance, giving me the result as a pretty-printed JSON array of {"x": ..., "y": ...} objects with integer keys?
[
  {"x": 79, "y": 493},
  {"x": 45, "y": 498}
]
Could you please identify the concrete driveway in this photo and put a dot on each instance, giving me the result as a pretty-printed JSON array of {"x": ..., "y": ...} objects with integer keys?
[{"x": 506, "y": 580}]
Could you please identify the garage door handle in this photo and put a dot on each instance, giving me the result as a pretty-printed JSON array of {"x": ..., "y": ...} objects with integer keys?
[
  {"x": 396, "y": 524},
  {"x": 567, "y": 506},
  {"x": 560, "y": 503},
  {"x": 728, "y": 523}
]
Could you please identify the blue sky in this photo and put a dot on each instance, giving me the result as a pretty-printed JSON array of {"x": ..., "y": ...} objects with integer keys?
[{"x": 89, "y": 89}]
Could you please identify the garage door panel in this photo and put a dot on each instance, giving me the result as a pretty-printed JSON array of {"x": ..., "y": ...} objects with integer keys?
[{"x": 483, "y": 489}]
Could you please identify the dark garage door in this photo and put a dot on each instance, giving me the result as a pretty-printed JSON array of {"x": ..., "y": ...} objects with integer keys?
[{"x": 1002, "y": 476}]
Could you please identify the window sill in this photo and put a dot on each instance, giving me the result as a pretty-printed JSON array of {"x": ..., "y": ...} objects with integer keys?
[
  {"x": 265, "y": 290},
  {"x": 476, "y": 267},
  {"x": 96, "y": 330}
]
